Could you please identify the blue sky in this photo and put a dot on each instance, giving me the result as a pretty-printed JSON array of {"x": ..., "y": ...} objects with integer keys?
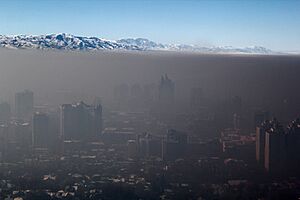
[{"x": 274, "y": 24}]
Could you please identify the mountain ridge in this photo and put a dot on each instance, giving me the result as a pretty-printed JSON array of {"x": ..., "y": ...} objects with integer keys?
[{"x": 66, "y": 41}]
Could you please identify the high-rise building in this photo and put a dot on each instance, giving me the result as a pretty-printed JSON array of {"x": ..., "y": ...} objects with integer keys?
[
  {"x": 275, "y": 149},
  {"x": 174, "y": 145},
  {"x": 81, "y": 121},
  {"x": 3, "y": 140},
  {"x": 166, "y": 95},
  {"x": 236, "y": 121},
  {"x": 40, "y": 130},
  {"x": 279, "y": 150},
  {"x": 293, "y": 146},
  {"x": 260, "y": 141},
  {"x": 24, "y": 104},
  {"x": 5, "y": 112}
]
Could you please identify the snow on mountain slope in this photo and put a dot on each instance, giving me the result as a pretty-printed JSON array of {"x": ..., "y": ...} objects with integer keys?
[{"x": 71, "y": 42}]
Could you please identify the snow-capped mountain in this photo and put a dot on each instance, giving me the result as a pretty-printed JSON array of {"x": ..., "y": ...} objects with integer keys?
[
  {"x": 71, "y": 42},
  {"x": 62, "y": 41},
  {"x": 143, "y": 43}
]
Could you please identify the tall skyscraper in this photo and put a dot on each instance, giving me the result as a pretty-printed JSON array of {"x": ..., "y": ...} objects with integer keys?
[
  {"x": 3, "y": 140},
  {"x": 275, "y": 148},
  {"x": 279, "y": 150},
  {"x": 81, "y": 121},
  {"x": 260, "y": 141},
  {"x": 24, "y": 104},
  {"x": 166, "y": 95},
  {"x": 40, "y": 130},
  {"x": 174, "y": 145},
  {"x": 23, "y": 135},
  {"x": 236, "y": 121},
  {"x": 5, "y": 112},
  {"x": 293, "y": 146}
]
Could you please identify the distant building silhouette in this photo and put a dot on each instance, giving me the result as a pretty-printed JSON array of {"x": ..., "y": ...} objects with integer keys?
[
  {"x": 166, "y": 95},
  {"x": 24, "y": 104},
  {"x": 40, "y": 130},
  {"x": 275, "y": 149},
  {"x": 271, "y": 146},
  {"x": 3, "y": 140},
  {"x": 22, "y": 135},
  {"x": 279, "y": 150},
  {"x": 81, "y": 121},
  {"x": 293, "y": 147},
  {"x": 260, "y": 141},
  {"x": 5, "y": 112},
  {"x": 236, "y": 121},
  {"x": 174, "y": 145}
]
